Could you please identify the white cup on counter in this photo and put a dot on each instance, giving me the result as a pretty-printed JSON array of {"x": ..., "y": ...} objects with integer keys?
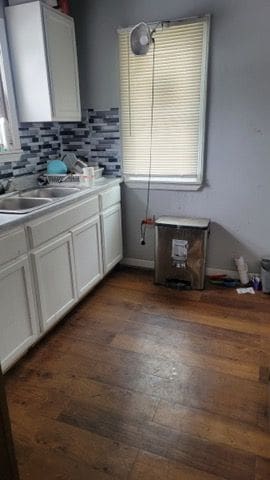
[{"x": 88, "y": 176}]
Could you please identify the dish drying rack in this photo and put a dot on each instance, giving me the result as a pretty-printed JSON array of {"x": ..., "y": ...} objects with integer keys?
[{"x": 71, "y": 177}]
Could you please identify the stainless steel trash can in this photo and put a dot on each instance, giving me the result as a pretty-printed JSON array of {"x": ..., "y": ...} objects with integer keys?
[
  {"x": 265, "y": 275},
  {"x": 180, "y": 251}
]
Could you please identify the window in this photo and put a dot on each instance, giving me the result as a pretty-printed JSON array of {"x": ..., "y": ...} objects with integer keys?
[
  {"x": 10, "y": 147},
  {"x": 165, "y": 91}
]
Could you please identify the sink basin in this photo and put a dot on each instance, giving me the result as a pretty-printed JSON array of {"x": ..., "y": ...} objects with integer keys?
[
  {"x": 50, "y": 192},
  {"x": 22, "y": 204}
]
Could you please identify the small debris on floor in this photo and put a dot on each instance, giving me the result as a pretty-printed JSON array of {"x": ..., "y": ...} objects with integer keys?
[{"x": 241, "y": 291}]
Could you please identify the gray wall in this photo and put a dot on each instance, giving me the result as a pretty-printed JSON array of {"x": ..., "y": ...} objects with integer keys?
[{"x": 237, "y": 192}]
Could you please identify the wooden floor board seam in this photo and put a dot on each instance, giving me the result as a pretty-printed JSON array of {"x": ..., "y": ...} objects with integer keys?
[{"x": 141, "y": 382}]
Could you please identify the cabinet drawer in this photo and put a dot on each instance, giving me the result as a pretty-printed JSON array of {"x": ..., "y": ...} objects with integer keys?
[
  {"x": 110, "y": 197},
  {"x": 49, "y": 227},
  {"x": 12, "y": 245}
]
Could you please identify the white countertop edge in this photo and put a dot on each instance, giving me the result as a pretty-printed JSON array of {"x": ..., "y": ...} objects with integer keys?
[{"x": 9, "y": 221}]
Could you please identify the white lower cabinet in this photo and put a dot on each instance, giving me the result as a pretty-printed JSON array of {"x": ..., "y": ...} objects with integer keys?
[
  {"x": 55, "y": 279},
  {"x": 18, "y": 325},
  {"x": 50, "y": 263},
  {"x": 112, "y": 237},
  {"x": 87, "y": 255}
]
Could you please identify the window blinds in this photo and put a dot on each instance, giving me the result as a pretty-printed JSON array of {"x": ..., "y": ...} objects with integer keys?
[{"x": 179, "y": 82}]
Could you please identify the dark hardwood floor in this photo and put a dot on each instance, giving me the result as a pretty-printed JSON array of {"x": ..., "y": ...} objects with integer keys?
[
  {"x": 8, "y": 466},
  {"x": 144, "y": 383}
]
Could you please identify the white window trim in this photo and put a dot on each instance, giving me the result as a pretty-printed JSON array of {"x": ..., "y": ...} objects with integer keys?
[
  {"x": 15, "y": 154},
  {"x": 163, "y": 183},
  {"x": 182, "y": 183}
]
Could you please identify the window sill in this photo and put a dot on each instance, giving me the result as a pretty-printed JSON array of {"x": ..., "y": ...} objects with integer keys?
[
  {"x": 163, "y": 185},
  {"x": 10, "y": 156}
]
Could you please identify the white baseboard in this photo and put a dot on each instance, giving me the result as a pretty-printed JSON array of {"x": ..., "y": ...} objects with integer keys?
[
  {"x": 221, "y": 271},
  {"x": 149, "y": 264},
  {"x": 138, "y": 262}
]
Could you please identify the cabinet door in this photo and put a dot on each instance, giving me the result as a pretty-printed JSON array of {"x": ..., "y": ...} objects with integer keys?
[
  {"x": 62, "y": 64},
  {"x": 87, "y": 254},
  {"x": 29, "y": 64},
  {"x": 17, "y": 316},
  {"x": 112, "y": 237},
  {"x": 54, "y": 270}
]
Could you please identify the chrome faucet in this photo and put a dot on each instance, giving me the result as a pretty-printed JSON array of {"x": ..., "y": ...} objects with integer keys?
[{"x": 5, "y": 184}]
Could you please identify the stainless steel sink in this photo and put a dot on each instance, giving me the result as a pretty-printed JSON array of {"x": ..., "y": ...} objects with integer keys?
[
  {"x": 50, "y": 192},
  {"x": 22, "y": 204}
]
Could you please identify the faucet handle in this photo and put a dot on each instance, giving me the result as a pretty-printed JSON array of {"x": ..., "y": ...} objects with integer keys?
[{"x": 5, "y": 185}]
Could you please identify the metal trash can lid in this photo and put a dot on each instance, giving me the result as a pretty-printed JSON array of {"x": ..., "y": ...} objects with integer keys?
[
  {"x": 265, "y": 264},
  {"x": 202, "y": 223}
]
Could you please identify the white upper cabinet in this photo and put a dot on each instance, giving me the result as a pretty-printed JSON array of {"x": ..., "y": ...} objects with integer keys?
[
  {"x": 44, "y": 61},
  {"x": 62, "y": 63}
]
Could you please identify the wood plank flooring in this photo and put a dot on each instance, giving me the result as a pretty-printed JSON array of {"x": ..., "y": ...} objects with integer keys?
[{"x": 144, "y": 383}]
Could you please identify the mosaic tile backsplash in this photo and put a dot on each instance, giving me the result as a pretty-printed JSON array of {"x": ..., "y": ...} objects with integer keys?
[{"x": 96, "y": 136}]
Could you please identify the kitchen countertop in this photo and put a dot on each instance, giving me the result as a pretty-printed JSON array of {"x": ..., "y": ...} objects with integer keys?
[{"x": 10, "y": 220}]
